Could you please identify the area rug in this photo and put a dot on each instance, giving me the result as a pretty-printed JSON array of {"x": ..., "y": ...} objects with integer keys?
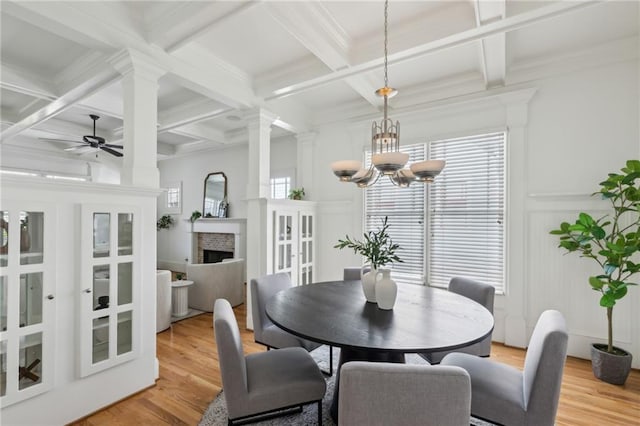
[{"x": 216, "y": 414}]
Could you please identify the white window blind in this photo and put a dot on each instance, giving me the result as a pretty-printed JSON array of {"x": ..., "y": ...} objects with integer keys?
[
  {"x": 466, "y": 210},
  {"x": 404, "y": 208}
]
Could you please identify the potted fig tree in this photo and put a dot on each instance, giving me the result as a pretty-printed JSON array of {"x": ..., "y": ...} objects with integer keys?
[{"x": 612, "y": 241}]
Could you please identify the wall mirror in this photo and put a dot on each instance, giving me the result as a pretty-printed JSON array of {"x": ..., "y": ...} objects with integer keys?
[{"x": 215, "y": 195}]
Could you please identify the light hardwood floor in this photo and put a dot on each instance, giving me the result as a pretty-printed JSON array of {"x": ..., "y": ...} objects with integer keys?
[{"x": 190, "y": 380}]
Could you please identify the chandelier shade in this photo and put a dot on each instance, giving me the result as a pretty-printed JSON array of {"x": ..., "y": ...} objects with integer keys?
[{"x": 386, "y": 158}]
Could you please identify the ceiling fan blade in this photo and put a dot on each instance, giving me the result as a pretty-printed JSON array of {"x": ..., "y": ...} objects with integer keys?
[
  {"x": 81, "y": 149},
  {"x": 59, "y": 140},
  {"x": 76, "y": 148},
  {"x": 111, "y": 151},
  {"x": 109, "y": 145}
]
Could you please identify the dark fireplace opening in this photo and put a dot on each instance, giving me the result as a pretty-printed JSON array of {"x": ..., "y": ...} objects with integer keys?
[{"x": 215, "y": 256}]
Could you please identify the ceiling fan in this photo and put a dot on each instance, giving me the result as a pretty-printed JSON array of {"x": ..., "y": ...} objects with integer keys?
[{"x": 91, "y": 142}]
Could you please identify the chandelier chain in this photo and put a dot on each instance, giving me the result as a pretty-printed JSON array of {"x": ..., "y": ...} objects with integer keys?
[{"x": 386, "y": 17}]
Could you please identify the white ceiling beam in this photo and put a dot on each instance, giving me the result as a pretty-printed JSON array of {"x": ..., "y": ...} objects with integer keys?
[
  {"x": 219, "y": 81},
  {"x": 190, "y": 114},
  {"x": 492, "y": 49},
  {"x": 313, "y": 26},
  {"x": 509, "y": 24},
  {"x": 99, "y": 79},
  {"x": 23, "y": 82},
  {"x": 198, "y": 131},
  {"x": 172, "y": 31}
]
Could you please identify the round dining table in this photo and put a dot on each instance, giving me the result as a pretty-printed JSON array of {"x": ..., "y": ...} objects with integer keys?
[{"x": 336, "y": 313}]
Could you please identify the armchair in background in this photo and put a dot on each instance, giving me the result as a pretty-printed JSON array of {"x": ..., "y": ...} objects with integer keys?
[{"x": 211, "y": 281}]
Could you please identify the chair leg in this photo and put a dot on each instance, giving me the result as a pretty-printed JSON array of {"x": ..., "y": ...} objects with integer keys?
[
  {"x": 330, "y": 372},
  {"x": 320, "y": 413}
]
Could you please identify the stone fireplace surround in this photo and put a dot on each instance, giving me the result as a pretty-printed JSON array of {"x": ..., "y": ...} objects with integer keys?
[
  {"x": 214, "y": 241},
  {"x": 223, "y": 234}
]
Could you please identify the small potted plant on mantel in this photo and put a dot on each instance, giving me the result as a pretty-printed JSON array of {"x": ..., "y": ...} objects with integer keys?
[
  {"x": 296, "y": 194},
  {"x": 379, "y": 250},
  {"x": 612, "y": 241}
]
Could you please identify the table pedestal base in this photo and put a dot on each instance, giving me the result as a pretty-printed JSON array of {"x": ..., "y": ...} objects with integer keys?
[{"x": 346, "y": 355}]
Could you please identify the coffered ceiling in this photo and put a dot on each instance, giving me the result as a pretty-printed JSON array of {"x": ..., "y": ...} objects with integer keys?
[{"x": 310, "y": 62}]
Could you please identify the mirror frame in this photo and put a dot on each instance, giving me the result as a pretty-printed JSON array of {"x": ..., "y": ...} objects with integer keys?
[{"x": 204, "y": 194}]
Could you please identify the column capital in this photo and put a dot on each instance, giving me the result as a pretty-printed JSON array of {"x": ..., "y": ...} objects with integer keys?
[
  {"x": 306, "y": 137},
  {"x": 259, "y": 117},
  {"x": 128, "y": 61}
]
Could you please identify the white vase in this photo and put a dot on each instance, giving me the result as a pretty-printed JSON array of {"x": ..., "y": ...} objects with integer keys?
[
  {"x": 386, "y": 290},
  {"x": 369, "y": 283}
]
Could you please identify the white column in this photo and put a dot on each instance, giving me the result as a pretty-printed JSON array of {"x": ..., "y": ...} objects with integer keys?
[
  {"x": 259, "y": 129},
  {"x": 304, "y": 162},
  {"x": 140, "y": 97},
  {"x": 517, "y": 110},
  {"x": 258, "y": 190}
]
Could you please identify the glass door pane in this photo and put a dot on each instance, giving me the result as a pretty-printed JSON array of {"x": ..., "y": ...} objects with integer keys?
[
  {"x": 30, "y": 369},
  {"x": 125, "y": 279},
  {"x": 31, "y": 237},
  {"x": 100, "y": 339},
  {"x": 4, "y": 238},
  {"x": 3, "y": 303},
  {"x": 125, "y": 234},
  {"x": 125, "y": 327},
  {"x": 31, "y": 298},
  {"x": 101, "y": 284},
  {"x": 101, "y": 234}
]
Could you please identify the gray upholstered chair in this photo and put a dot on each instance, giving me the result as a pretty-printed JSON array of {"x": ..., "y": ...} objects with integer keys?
[
  {"x": 377, "y": 393},
  {"x": 506, "y": 395},
  {"x": 266, "y": 381},
  {"x": 265, "y": 331},
  {"x": 352, "y": 273},
  {"x": 213, "y": 281},
  {"x": 478, "y": 292}
]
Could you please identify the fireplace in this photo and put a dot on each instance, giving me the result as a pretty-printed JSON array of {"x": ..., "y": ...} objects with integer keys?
[{"x": 215, "y": 256}]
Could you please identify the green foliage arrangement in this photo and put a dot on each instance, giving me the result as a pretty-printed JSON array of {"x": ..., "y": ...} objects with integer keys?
[
  {"x": 377, "y": 247},
  {"x": 296, "y": 194},
  {"x": 195, "y": 216},
  {"x": 164, "y": 222},
  {"x": 612, "y": 240}
]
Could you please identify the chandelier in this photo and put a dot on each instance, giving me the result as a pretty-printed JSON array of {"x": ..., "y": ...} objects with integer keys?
[{"x": 386, "y": 158}]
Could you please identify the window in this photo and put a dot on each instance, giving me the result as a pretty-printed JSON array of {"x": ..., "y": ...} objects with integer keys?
[
  {"x": 171, "y": 198},
  {"x": 280, "y": 187},
  {"x": 463, "y": 212}
]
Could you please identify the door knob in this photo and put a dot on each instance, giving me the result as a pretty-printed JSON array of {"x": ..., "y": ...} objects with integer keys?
[
  {"x": 50, "y": 297},
  {"x": 87, "y": 290}
]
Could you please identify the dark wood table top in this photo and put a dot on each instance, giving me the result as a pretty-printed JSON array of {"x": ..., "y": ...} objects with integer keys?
[{"x": 423, "y": 319}]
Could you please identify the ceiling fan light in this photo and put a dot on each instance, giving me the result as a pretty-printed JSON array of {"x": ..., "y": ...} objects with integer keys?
[
  {"x": 345, "y": 169},
  {"x": 388, "y": 163}
]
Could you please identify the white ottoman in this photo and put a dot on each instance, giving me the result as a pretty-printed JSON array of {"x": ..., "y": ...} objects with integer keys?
[{"x": 163, "y": 300}]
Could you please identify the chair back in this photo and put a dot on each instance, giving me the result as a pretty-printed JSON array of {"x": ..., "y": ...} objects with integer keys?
[
  {"x": 230, "y": 355},
  {"x": 543, "y": 367},
  {"x": 403, "y": 394},
  {"x": 477, "y": 291},
  {"x": 261, "y": 290},
  {"x": 353, "y": 273}
]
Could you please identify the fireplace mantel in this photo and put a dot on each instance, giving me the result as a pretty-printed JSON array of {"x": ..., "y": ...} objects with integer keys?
[
  {"x": 235, "y": 226},
  {"x": 221, "y": 225}
]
